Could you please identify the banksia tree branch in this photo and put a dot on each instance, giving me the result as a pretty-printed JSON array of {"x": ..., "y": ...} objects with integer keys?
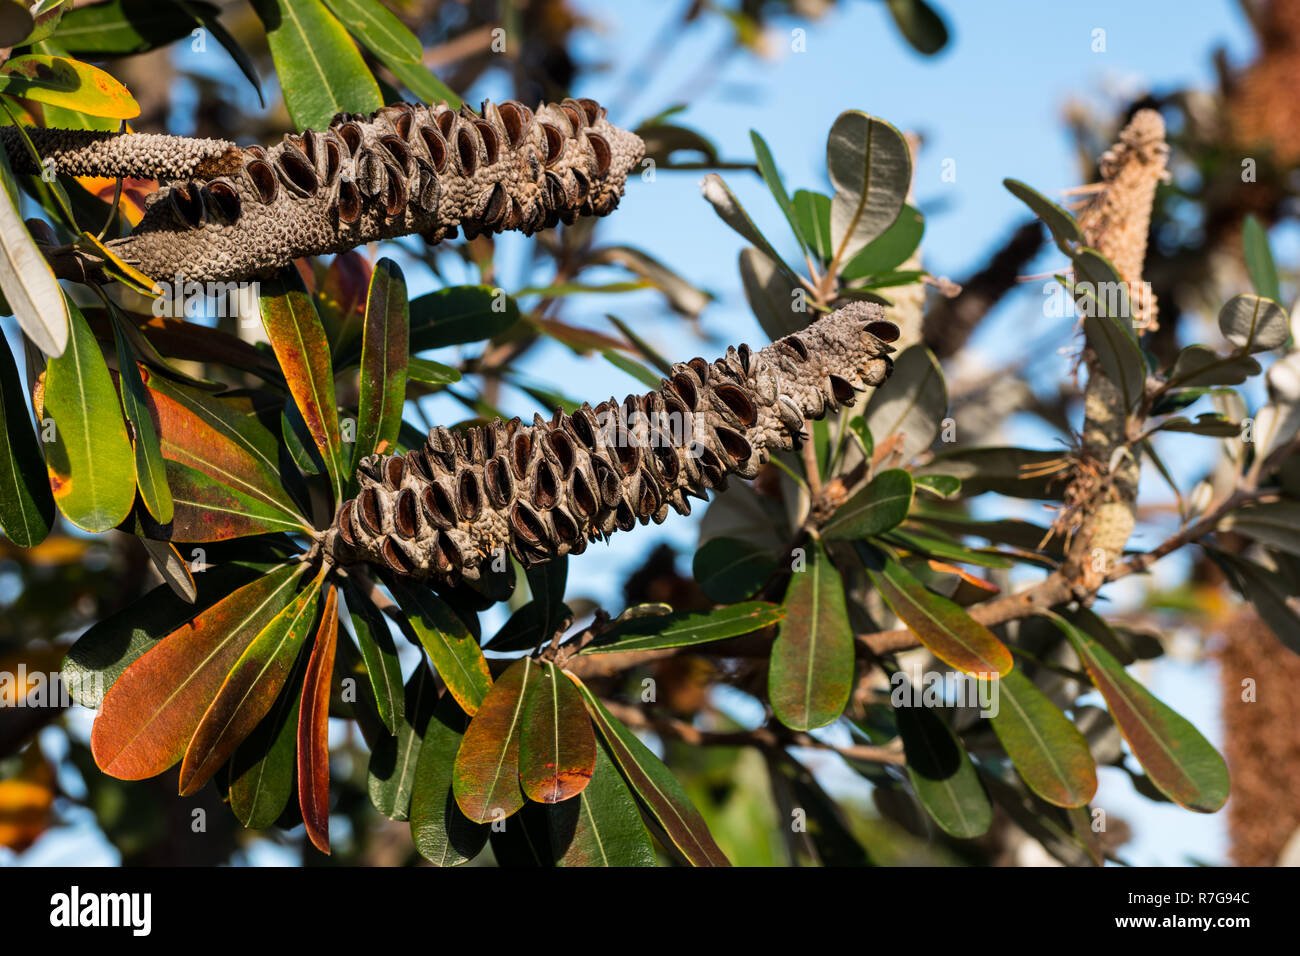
[
  {"x": 1116, "y": 223},
  {"x": 549, "y": 488},
  {"x": 230, "y": 213}
]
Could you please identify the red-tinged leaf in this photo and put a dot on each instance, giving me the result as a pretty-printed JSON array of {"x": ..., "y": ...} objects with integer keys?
[
  {"x": 341, "y": 300},
  {"x": 151, "y": 711},
  {"x": 941, "y": 625},
  {"x": 220, "y": 437},
  {"x": 557, "y": 751},
  {"x": 313, "y": 730},
  {"x": 132, "y": 200},
  {"x": 880, "y": 506},
  {"x": 383, "y": 362},
  {"x": 811, "y": 671},
  {"x": 207, "y": 510},
  {"x": 1178, "y": 760},
  {"x": 251, "y": 688},
  {"x": 452, "y": 649},
  {"x": 443, "y": 835},
  {"x": 91, "y": 465},
  {"x": 681, "y": 823},
  {"x": 486, "y": 777},
  {"x": 298, "y": 339},
  {"x": 603, "y": 827},
  {"x": 1048, "y": 751}
]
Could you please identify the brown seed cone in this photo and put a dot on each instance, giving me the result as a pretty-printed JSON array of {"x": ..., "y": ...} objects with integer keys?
[
  {"x": 549, "y": 488},
  {"x": 233, "y": 214}
]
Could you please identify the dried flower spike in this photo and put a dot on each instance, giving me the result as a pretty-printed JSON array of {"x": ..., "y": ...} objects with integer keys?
[
  {"x": 230, "y": 213},
  {"x": 549, "y": 488}
]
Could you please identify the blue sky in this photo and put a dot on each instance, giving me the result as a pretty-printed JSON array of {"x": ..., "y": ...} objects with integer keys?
[{"x": 992, "y": 103}]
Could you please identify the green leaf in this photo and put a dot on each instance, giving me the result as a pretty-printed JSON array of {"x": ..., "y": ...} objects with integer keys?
[
  {"x": 121, "y": 27},
  {"x": 250, "y": 689},
  {"x": 452, "y": 649},
  {"x": 942, "y": 775},
  {"x": 767, "y": 169},
  {"x": 422, "y": 81},
  {"x": 1063, "y": 226},
  {"x": 1118, "y": 356},
  {"x": 1199, "y": 365},
  {"x": 263, "y": 766},
  {"x": 300, "y": 346},
  {"x": 375, "y": 26},
  {"x": 26, "y": 504},
  {"x": 91, "y": 464},
  {"x": 379, "y": 653},
  {"x": 441, "y": 832},
  {"x": 433, "y": 374},
  {"x": 949, "y": 632},
  {"x": 321, "y": 72},
  {"x": 385, "y": 337},
  {"x": 811, "y": 672},
  {"x": 1254, "y": 324},
  {"x": 1207, "y": 423},
  {"x": 871, "y": 168},
  {"x": 486, "y": 775},
  {"x": 394, "y": 760},
  {"x": 914, "y": 404},
  {"x": 631, "y": 367},
  {"x": 681, "y": 630},
  {"x": 941, "y": 486},
  {"x": 890, "y": 249},
  {"x": 1259, "y": 259},
  {"x": 557, "y": 750},
  {"x": 665, "y": 799},
  {"x": 813, "y": 213},
  {"x": 1048, "y": 751},
  {"x": 150, "y": 469},
  {"x": 603, "y": 826},
  {"x": 730, "y": 211},
  {"x": 877, "y": 508},
  {"x": 153, "y": 708},
  {"x": 30, "y": 290},
  {"x": 460, "y": 314},
  {"x": 920, "y": 25},
  {"x": 730, "y": 570},
  {"x": 1179, "y": 761},
  {"x": 1274, "y": 523}
]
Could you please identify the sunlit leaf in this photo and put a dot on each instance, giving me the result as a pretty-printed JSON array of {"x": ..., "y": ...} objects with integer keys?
[
  {"x": 91, "y": 464},
  {"x": 452, "y": 649},
  {"x": 313, "y": 731},
  {"x": 1179, "y": 761},
  {"x": 1049, "y": 752},
  {"x": 262, "y": 768},
  {"x": 871, "y": 168},
  {"x": 948, "y": 631},
  {"x": 375, "y": 642},
  {"x": 320, "y": 71},
  {"x": 1063, "y": 226},
  {"x": 1259, "y": 259},
  {"x": 251, "y": 688},
  {"x": 68, "y": 83},
  {"x": 150, "y": 713},
  {"x": 1254, "y": 324},
  {"x": 486, "y": 780},
  {"x": 150, "y": 470},
  {"x": 880, "y": 506},
  {"x": 383, "y": 363},
  {"x": 30, "y": 289},
  {"x": 557, "y": 750}
]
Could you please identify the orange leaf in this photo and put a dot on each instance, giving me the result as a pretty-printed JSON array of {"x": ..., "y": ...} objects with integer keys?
[{"x": 313, "y": 729}]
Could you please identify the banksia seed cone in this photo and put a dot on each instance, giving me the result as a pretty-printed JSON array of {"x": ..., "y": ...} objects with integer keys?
[
  {"x": 233, "y": 214},
  {"x": 547, "y": 489}
]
